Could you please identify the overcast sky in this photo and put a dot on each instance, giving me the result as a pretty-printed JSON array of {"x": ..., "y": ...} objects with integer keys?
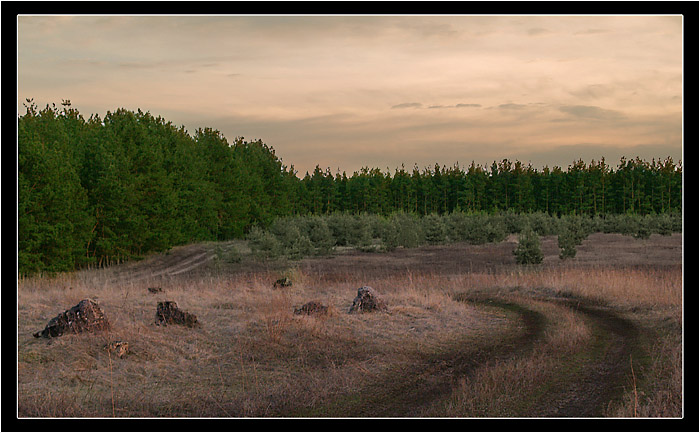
[{"x": 351, "y": 91}]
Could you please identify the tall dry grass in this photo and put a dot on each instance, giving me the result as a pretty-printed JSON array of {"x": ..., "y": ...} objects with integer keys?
[{"x": 253, "y": 357}]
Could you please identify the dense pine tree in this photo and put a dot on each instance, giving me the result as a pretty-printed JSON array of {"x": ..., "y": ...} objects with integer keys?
[{"x": 98, "y": 191}]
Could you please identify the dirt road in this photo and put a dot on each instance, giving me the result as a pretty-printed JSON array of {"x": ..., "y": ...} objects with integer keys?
[{"x": 409, "y": 392}]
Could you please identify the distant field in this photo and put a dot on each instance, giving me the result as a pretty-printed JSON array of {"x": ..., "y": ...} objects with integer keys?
[{"x": 468, "y": 333}]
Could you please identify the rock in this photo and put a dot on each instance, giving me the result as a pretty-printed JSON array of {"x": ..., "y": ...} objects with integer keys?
[
  {"x": 312, "y": 308},
  {"x": 155, "y": 289},
  {"x": 119, "y": 348},
  {"x": 283, "y": 282},
  {"x": 84, "y": 317},
  {"x": 367, "y": 300},
  {"x": 167, "y": 313}
]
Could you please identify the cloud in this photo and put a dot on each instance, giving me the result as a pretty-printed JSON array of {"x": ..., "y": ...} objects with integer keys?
[
  {"x": 537, "y": 31},
  {"x": 511, "y": 106},
  {"x": 408, "y": 105},
  {"x": 591, "y": 32},
  {"x": 591, "y": 112},
  {"x": 594, "y": 91},
  {"x": 467, "y": 105}
]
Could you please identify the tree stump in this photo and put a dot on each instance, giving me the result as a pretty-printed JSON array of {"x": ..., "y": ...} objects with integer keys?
[
  {"x": 282, "y": 282},
  {"x": 312, "y": 308},
  {"x": 367, "y": 300},
  {"x": 84, "y": 317},
  {"x": 167, "y": 313}
]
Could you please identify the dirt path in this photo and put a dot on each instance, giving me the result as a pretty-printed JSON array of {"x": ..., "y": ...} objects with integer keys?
[
  {"x": 588, "y": 393},
  {"x": 177, "y": 261},
  {"x": 408, "y": 391}
]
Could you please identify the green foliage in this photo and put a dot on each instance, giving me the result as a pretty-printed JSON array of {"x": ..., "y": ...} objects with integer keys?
[
  {"x": 299, "y": 248},
  {"x": 263, "y": 243},
  {"x": 577, "y": 227},
  {"x": 495, "y": 230},
  {"x": 360, "y": 235},
  {"x": 528, "y": 250},
  {"x": 434, "y": 229},
  {"x": 541, "y": 223},
  {"x": 513, "y": 222},
  {"x": 664, "y": 224},
  {"x": 567, "y": 244},
  {"x": 340, "y": 225},
  {"x": 320, "y": 236},
  {"x": 97, "y": 191},
  {"x": 645, "y": 226},
  {"x": 402, "y": 229}
]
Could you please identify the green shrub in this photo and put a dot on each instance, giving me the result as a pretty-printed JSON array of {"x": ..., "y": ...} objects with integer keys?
[
  {"x": 299, "y": 248},
  {"x": 528, "y": 250},
  {"x": 455, "y": 226},
  {"x": 578, "y": 227},
  {"x": 645, "y": 227},
  {"x": 360, "y": 235},
  {"x": 513, "y": 222},
  {"x": 390, "y": 236},
  {"x": 434, "y": 229},
  {"x": 320, "y": 235},
  {"x": 542, "y": 224},
  {"x": 340, "y": 225},
  {"x": 664, "y": 224},
  {"x": 567, "y": 245},
  {"x": 495, "y": 230},
  {"x": 677, "y": 222},
  {"x": 263, "y": 243},
  {"x": 402, "y": 229}
]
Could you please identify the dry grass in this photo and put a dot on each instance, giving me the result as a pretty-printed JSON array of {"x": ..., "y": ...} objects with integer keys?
[{"x": 253, "y": 357}]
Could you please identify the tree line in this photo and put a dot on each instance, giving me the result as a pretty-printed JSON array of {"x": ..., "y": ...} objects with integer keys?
[{"x": 101, "y": 190}]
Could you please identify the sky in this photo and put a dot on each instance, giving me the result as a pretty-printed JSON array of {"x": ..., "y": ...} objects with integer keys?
[{"x": 344, "y": 92}]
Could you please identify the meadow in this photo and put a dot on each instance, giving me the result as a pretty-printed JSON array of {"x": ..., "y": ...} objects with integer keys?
[{"x": 468, "y": 333}]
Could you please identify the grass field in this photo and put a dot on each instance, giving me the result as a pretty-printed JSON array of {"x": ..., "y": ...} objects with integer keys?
[{"x": 469, "y": 333}]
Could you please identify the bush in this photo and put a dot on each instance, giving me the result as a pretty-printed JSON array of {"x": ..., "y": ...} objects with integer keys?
[
  {"x": 263, "y": 244},
  {"x": 360, "y": 235},
  {"x": 299, "y": 248},
  {"x": 567, "y": 245},
  {"x": 542, "y": 224},
  {"x": 578, "y": 227},
  {"x": 402, "y": 229},
  {"x": 434, "y": 229},
  {"x": 513, "y": 222},
  {"x": 390, "y": 236},
  {"x": 456, "y": 224},
  {"x": 340, "y": 225},
  {"x": 677, "y": 223},
  {"x": 645, "y": 226},
  {"x": 664, "y": 224},
  {"x": 320, "y": 236},
  {"x": 495, "y": 230},
  {"x": 528, "y": 250}
]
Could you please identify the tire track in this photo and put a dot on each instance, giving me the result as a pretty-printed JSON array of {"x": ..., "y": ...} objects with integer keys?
[
  {"x": 175, "y": 264},
  {"x": 589, "y": 392},
  {"x": 407, "y": 392}
]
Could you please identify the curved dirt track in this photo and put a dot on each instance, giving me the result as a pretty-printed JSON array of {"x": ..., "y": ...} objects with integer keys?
[
  {"x": 409, "y": 392},
  {"x": 588, "y": 393},
  {"x": 179, "y": 260}
]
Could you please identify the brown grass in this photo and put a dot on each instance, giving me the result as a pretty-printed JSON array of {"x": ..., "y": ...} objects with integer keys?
[{"x": 253, "y": 357}]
